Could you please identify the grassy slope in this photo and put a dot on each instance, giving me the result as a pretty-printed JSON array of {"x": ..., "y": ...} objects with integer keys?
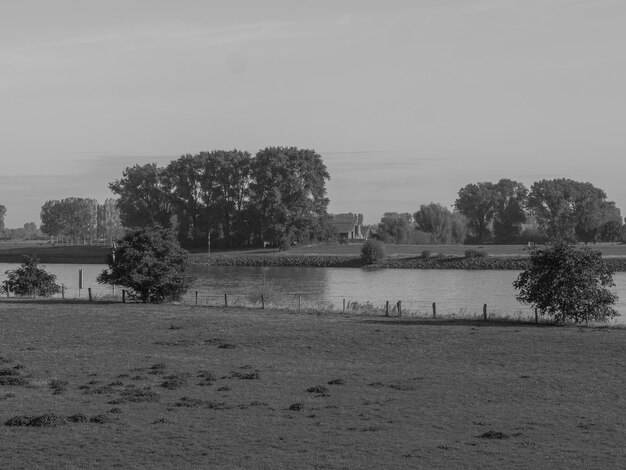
[{"x": 415, "y": 394}]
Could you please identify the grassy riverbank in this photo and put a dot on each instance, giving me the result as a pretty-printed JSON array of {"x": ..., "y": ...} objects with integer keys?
[
  {"x": 332, "y": 255},
  {"x": 172, "y": 386},
  {"x": 13, "y": 252}
]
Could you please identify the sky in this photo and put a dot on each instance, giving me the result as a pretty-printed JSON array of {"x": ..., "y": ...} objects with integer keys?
[{"x": 406, "y": 101}]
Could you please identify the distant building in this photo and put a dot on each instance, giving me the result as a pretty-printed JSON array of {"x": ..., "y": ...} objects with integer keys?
[{"x": 349, "y": 226}]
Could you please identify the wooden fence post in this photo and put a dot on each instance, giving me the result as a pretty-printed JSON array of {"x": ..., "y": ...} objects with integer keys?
[
  {"x": 387, "y": 308},
  {"x": 536, "y": 317},
  {"x": 485, "y": 312},
  {"x": 262, "y": 302},
  {"x": 399, "y": 304},
  {"x": 6, "y": 286},
  {"x": 225, "y": 300},
  {"x": 63, "y": 291},
  {"x": 123, "y": 296},
  {"x": 299, "y": 302},
  {"x": 434, "y": 310},
  {"x": 344, "y": 305},
  {"x": 90, "y": 297},
  {"x": 196, "y": 298}
]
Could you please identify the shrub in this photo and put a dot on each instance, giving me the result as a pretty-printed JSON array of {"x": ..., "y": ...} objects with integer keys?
[
  {"x": 566, "y": 282},
  {"x": 284, "y": 244},
  {"x": 372, "y": 252},
  {"x": 426, "y": 254},
  {"x": 475, "y": 254},
  {"x": 150, "y": 263},
  {"x": 30, "y": 279}
]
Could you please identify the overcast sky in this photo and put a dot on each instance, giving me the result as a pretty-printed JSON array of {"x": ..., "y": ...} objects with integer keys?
[{"x": 406, "y": 101}]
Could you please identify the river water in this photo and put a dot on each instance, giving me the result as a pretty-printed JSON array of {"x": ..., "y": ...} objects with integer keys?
[{"x": 456, "y": 293}]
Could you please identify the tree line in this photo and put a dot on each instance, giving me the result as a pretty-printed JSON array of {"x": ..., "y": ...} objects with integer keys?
[
  {"x": 229, "y": 198},
  {"x": 508, "y": 212}
]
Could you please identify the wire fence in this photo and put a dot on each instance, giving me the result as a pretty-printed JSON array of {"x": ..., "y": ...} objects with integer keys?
[{"x": 409, "y": 308}]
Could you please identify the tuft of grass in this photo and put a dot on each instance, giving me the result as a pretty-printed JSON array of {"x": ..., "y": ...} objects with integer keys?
[
  {"x": 139, "y": 395},
  {"x": 173, "y": 382},
  {"x": 13, "y": 381},
  {"x": 317, "y": 389},
  {"x": 48, "y": 420},
  {"x": 337, "y": 382},
  {"x": 101, "y": 419},
  {"x": 57, "y": 386},
  {"x": 186, "y": 402},
  {"x": 78, "y": 418},
  {"x": 494, "y": 435},
  {"x": 22, "y": 420}
]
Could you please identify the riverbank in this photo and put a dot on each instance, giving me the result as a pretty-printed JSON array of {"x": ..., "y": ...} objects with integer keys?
[
  {"x": 15, "y": 252},
  {"x": 508, "y": 257},
  {"x": 435, "y": 262},
  {"x": 174, "y": 386}
]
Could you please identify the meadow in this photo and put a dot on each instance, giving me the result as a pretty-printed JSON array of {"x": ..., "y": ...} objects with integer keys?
[{"x": 166, "y": 386}]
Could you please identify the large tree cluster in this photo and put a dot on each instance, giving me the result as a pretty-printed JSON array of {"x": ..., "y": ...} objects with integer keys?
[
  {"x": 229, "y": 197},
  {"x": 562, "y": 208}
]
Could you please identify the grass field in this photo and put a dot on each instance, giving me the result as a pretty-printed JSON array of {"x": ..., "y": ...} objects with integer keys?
[{"x": 158, "y": 386}]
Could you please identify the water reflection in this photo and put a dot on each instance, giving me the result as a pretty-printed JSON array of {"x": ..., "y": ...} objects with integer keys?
[{"x": 456, "y": 292}]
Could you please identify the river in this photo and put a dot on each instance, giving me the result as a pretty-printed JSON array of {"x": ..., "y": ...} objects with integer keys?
[{"x": 458, "y": 293}]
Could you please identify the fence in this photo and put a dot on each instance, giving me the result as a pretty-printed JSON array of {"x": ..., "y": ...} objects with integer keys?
[
  {"x": 409, "y": 308},
  {"x": 406, "y": 308}
]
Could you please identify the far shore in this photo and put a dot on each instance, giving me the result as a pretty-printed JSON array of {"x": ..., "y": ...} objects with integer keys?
[{"x": 323, "y": 255}]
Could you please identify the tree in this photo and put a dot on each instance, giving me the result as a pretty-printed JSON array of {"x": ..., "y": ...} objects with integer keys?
[
  {"x": 611, "y": 231},
  {"x": 477, "y": 202},
  {"x": 30, "y": 279},
  {"x": 3, "y": 212},
  {"x": 510, "y": 210},
  {"x": 565, "y": 282},
  {"x": 109, "y": 221},
  {"x": 72, "y": 216},
  {"x": 372, "y": 252},
  {"x": 288, "y": 195},
  {"x": 441, "y": 225},
  {"x": 226, "y": 193},
  {"x": 570, "y": 209},
  {"x": 151, "y": 264},
  {"x": 144, "y": 196},
  {"x": 185, "y": 177},
  {"x": 395, "y": 227},
  {"x": 435, "y": 220}
]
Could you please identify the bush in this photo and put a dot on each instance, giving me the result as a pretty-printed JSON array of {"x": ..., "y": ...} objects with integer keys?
[
  {"x": 30, "y": 279},
  {"x": 151, "y": 264},
  {"x": 475, "y": 254},
  {"x": 372, "y": 252},
  {"x": 426, "y": 254},
  {"x": 566, "y": 282},
  {"x": 284, "y": 244}
]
